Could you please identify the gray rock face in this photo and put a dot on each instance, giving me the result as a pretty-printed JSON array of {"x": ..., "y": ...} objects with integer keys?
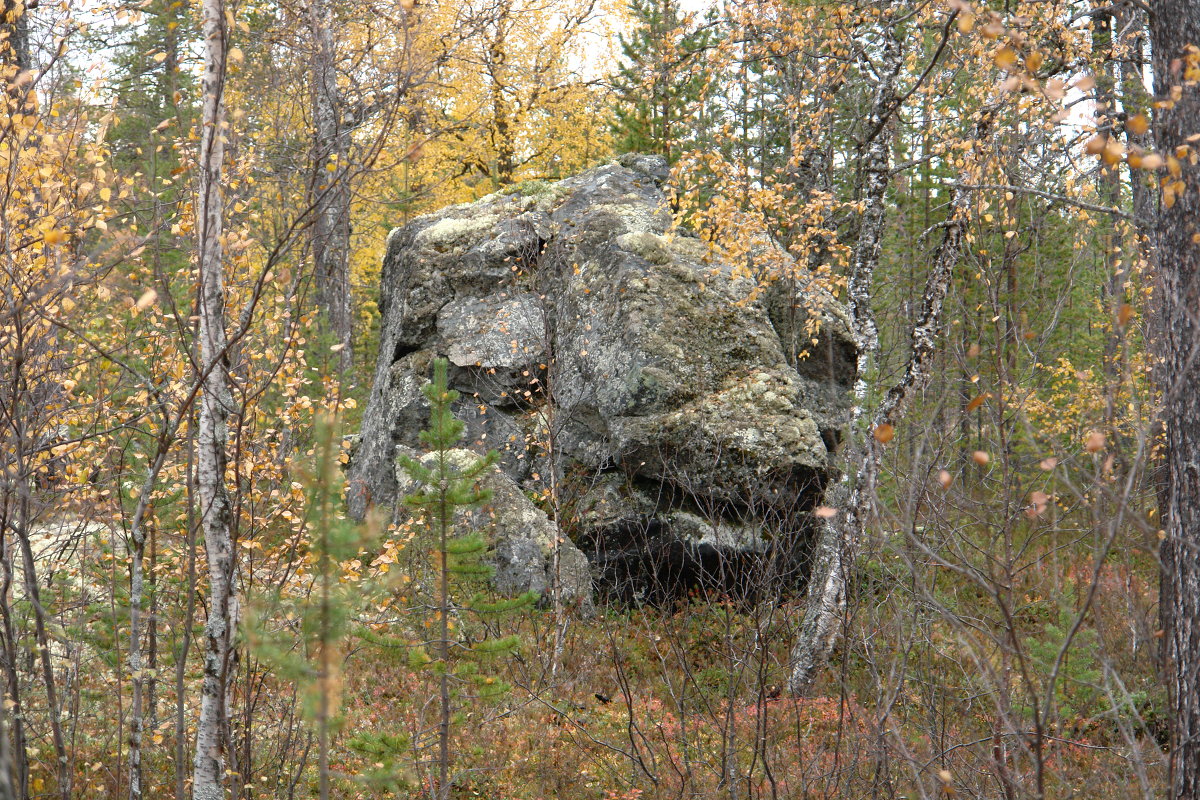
[{"x": 595, "y": 344}]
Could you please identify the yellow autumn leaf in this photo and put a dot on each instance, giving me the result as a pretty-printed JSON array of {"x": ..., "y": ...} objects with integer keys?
[
  {"x": 978, "y": 401},
  {"x": 1124, "y": 314},
  {"x": 1005, "y": 58},
  {"x": 1137, "y": 124},
  {"x": 1152, "y": 161},
  {"x": 1113, "y": 152}
]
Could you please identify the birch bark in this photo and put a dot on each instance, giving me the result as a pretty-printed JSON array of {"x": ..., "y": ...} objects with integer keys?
[
  {"x": 837, "y": 542},
  {"x": 840, "y": 536},
  {"x": 137, "y": 540},
  {"x": 216, "y": 405}
]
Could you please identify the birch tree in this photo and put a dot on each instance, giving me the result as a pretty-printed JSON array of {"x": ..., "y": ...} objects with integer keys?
[
  {"x": 850, "y": 501},
  {"x": 216, "y": 406},
  {"x": 839, "y": 535}
]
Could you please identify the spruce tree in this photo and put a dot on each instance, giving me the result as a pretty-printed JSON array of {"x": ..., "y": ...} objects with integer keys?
[{"x": 449, "y": 485}]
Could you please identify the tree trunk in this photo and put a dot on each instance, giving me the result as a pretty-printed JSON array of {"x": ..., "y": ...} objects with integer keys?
[
  {"x": 330, "y": 188},
  {"x": 8, "y": 654},
  {"x": 216, "y": 405},
  {"x": 1109, "y": 191},
  {"x": 53, "y": 711},
  {"x": 501, "y": 132},
  {"x": 1175, "y": 35},
  {"x": 14, "y": 26},
  {"x": 32, "y": 593},
  {"x": 7, "y": 792},
  {"x": 837, "y": 543},
  {"x": 137, "y": 551},
  {"x": 137, "y": 546},
  {"x": 1131, "y": 45},
  {"x": 189, "y": 612}
]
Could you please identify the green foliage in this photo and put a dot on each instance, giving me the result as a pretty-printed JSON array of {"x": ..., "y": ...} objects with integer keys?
[
  {"x": 305, "y": 627},
  {"x": 307, "y": 647},
  {"x": 386, "y": 754},
  {"x": 661, "y": 83},
  {"x": 448, "y": 486},
  {"x": 1078, "y": 690}
]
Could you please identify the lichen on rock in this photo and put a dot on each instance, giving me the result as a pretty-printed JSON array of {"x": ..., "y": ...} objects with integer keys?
[{"x": 596, "y": 341}]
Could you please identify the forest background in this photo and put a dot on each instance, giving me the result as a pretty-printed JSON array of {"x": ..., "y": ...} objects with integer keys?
[{"x": 196, "y": 198}]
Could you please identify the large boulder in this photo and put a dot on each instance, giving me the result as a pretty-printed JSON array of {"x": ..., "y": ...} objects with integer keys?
[{"x": 597, "y": 344}]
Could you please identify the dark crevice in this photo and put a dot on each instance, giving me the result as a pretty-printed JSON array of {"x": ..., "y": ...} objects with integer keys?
[
  {"x": 832, "y": 437},
  {"x": 403, "y": 350},
  {"x": 660, "y": 569},
  {"x": 643, "y": 560}
]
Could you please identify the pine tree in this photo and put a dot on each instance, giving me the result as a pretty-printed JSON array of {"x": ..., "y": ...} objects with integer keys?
[
  {"x": 325, "y": 614},
  {"x": 661, "y": 86},
  {"x": 449, "y": 485}
]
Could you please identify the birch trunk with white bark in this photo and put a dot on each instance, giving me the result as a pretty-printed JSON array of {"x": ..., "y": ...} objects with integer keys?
[
  {"x": 137, "y": 672},
  {"x": 839, "y": 535},
  {"x": 216, "y": 405},
  {"x": 839, "y": 539}
]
